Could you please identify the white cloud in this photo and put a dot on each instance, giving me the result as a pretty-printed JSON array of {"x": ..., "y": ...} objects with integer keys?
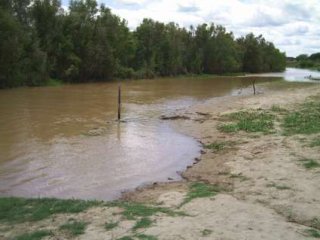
[{"x": 291, "y": 24}]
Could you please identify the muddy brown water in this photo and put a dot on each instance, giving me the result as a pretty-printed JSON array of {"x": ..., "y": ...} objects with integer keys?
[{"x": 64, "y": 141}]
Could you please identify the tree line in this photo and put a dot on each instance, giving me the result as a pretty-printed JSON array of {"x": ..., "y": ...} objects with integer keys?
[
  {"x": 306, "y": 61},
  {"x": 40, "y": 41}
]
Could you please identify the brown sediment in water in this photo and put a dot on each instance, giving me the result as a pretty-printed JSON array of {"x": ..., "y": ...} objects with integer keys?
[{"x": 266, "y": 193}]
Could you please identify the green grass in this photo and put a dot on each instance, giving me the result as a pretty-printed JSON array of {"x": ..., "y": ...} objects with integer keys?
[
  {"x": 17, "y": 210},
  {"x": 206, "y": 232},
  {"x": 125, "y": 238},
  {"x": 111, "y": 225},
  {"x": 304, "y": 120},
  {"x": 313, "y": 233},
  {"x": 146, "y": 237},
  {"x": 144, "y": 222},
  {"x": 315, "y": 223},
  {"x": 132, "y": 210},
  {"x": 310, "y": 163},
  {"x": 249, "y": 121},
  {"x": 200, "y": 190},
  {"x": 315, "y": 142},
  {"x": 74, "y": 227},
  {"x": 37, "y": 235}
]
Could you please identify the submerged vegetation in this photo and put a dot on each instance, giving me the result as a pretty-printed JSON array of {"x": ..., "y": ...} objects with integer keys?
[{"x": 41, "y": 41}]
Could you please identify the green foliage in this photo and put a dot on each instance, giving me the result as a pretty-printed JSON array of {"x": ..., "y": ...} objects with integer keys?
[
  {"x": 16, "y": 210},
  {"x": 111, "y": 225},
  {"x": 39, "y": 41},
  {"x": 305, "y": 120},
  {"x": 253, "y": 121},
  {"x": 305, "y": 61},
  {"x": 313, "y": 233},
  {"x": 145, "y": 237},
  {"x": 142, "y": 223},
  {"x": 37, "y": 235},
  {"x": 125, "y": 238},
  {"x": 310, "y": 163},
  {"x": 74, "y": 227},
  {"x": 200, "y": 190},
  {"x": 133, "y": 210}
]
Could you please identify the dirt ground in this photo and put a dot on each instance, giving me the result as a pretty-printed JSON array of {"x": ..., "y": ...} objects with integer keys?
[{"x": 267, "y": 193}]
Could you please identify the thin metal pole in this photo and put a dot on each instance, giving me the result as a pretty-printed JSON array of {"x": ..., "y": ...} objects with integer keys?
[
  {"x": 254, "y": 87},
  {"x": 119, "y": 102}
]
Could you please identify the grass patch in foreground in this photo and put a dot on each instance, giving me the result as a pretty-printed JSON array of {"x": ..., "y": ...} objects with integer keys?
[
  {"x": 313, "y": 233},
  {"x": 74, "y": 227},
  {"x": 146, "y": 237},
  {"x": 125, "y": 238},
  {"x": 144, "y": 222},
  {"x": 17, "y": 210},
  {"x": 249, "y": 121},
  {"x": 111, "y": 225},
  {"x": 200, "y": 190},
  {"x": 37, "y": 235},
  {"x": 303, "y": 121},
  {"x": 310, "y": 163},
  {"x": 133, "y": 210}
]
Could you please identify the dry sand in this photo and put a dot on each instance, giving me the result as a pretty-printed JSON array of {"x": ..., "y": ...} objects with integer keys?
[{"x": 268, "y": 193}]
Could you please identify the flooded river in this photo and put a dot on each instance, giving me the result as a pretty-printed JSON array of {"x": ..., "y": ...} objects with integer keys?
[{"x": 64, "y": 141}]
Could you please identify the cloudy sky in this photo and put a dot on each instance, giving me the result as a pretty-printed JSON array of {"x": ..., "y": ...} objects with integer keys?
[{"x": 292, "y": 25}]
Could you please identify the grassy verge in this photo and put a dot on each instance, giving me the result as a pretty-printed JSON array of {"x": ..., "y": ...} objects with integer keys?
[
  {"x": 200, "y": 190},
  {"x": 313, "y": 233},
  {"x": 249, "y": 121},
  {"x": 305, "y": 120},
  {"x": 310, "y": 163},
  {"x": 17, "y": 210}
]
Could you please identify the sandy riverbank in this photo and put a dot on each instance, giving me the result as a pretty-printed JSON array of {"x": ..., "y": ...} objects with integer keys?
[{"x": 266, "y": 192}]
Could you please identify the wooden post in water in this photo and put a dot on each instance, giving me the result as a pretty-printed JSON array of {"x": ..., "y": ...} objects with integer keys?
[
  {"x": 254, "y": 87},
  {"x": 119, "y": 102}
]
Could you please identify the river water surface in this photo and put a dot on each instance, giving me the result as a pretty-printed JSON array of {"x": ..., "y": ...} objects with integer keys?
[{"x": 64, "y": 141}]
